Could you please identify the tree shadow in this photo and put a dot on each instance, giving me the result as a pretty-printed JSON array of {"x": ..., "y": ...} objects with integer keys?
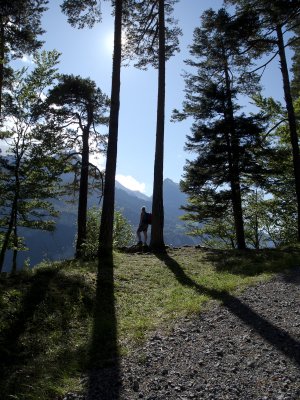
[
  {"x": 252, "y": 262},
  {"x": 292, "y": 276},
  {"x": 104, "y": 377},
  {"x": 12, "y": 352},
  {"x": 274, "y": 335}
]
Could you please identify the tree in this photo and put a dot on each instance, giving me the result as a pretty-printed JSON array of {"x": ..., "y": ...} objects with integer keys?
[
  {"x": 80, "y": 108},
  {"x": 29, "y": 170},
  {"x": 107, "y": 216},
  {"x": 125, "y": 12},
  {"x": 256, "y": 208},
  {"x": 152, "y": 37},
  {"x": 80, "y": 15},
  {"x": 20, "y": 26},
  {"x": 226, "y": 143},
  {"x": 279, "y": 219},
  {"x": 296, "y": 65},
  {"x": 217, "y": 231},
  {"x": 275, "y": 18}
]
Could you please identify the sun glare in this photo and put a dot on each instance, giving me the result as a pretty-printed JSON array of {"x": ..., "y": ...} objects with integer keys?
[{"x": 109, "y": 41}]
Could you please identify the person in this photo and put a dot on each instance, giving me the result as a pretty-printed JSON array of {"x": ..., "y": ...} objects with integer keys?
[{"x": 143, "y": 227}]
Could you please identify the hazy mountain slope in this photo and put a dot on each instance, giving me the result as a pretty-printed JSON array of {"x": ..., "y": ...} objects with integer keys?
[{"x": 59, "y": 244}]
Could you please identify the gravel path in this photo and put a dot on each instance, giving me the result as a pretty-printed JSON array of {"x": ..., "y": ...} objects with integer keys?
[{"x": 247, "y": 348}]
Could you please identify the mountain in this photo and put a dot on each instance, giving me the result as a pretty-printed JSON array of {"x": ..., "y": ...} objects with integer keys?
[
  {"x": 131, "y": 192},
  {"x": 60, "y": 243},
  {"x": 174, "y": 232}
]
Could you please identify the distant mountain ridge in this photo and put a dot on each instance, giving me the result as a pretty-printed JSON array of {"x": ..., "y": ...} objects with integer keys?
[
  {"x": 132, "y": 192},
  {"x": 60, "y": 243}
]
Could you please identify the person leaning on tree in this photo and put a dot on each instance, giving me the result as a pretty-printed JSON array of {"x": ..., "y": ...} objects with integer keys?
[{"x": 143, "y": 227}]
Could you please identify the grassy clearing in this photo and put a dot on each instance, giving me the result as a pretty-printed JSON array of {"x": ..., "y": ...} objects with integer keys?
[{"x": 53, "y": 320}]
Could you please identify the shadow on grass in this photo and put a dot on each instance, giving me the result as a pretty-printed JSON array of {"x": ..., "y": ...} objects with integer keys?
[
  {"x": 12, "y": 352},
  {"x": 275, "y": 336},
  {"x": 38, "y": 348},
  {"x": 104, "y": 380},
  {"x": 253, "y": 262}
]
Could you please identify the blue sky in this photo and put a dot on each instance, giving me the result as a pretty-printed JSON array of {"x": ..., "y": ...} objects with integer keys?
[{"x": 88, "y": 53}]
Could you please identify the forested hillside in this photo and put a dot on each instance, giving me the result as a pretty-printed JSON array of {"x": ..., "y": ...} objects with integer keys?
[{"x": 60, "y": 244}]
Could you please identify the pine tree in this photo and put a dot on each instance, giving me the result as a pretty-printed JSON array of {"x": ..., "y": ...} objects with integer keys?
[
  {"x": 20, "y": 26},
  {"x": 276, "y": 18},
  {"x": 152, "y": 38},
  {"x": 141, "y": 19},
  {"x": 296, "y": 64},
  {"x": 226, "y": 142},
  {"x": 81, "y": 107},
  {"x": 107, "y": 216},
  {"x": 86, "y": 14},
  {"x": 279, "y": 219}
]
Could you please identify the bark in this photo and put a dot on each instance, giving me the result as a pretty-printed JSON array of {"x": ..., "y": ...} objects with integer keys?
[
  {"x": 256, "y": 234},
  {"x": 291, "y": 119},
  {"x": 7, "y": 235},
  {"x": 1, "y": 64},
  {"x": 107, "y": 217},
  {"x": 233, "y": 153},
  {"x": 15, "y": 253},
  {"x": 12, "y": 220},
  {"x": 157, "y": 231},
  {"x": 83, "y": 192}
]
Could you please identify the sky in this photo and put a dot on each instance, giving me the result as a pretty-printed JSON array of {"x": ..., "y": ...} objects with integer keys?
[{"x": 88, "y": 53}]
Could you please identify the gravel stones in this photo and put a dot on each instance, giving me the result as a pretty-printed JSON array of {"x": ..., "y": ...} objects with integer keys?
[{"x": 246, "y": 348}]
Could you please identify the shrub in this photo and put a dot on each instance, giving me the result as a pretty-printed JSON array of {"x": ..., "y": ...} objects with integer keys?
[{"x": 122, "y": 232}]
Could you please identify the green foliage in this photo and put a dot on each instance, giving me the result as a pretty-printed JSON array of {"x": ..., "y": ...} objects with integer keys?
[
  {"x": 141, "y": 27},
  {"x": 21, "y": 22},
  {"x": 269, "y": 221},
  {"x": 228, "y": 144},
  {"x": 276, "y": 22},
  {"x": 77, "y": 108},
  {"x": 216, "y": 232},
  {"x": 29, "y": 170},
  {"x": 279, "y": 210},
  {"x": 20, "y": 26},
  {"x": 296, "y": 64},
  {"x": 122, "y": 233},
  {"x": 81, "y": 14},
  {"x": 77, "y": 100},
  {"x": 264, "y": 146}
]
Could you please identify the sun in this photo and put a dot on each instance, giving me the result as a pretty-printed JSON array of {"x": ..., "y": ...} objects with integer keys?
[{"x": 109, "y": 41}]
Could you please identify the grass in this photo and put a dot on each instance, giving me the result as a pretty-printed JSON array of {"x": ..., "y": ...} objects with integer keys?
[{"x": 55, "y": 323}]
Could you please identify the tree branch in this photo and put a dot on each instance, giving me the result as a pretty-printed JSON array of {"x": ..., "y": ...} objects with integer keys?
[{"x": 264, "y": 65}]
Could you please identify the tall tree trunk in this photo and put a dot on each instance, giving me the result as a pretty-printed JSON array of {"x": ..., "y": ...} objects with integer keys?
[
  {"x": 233, "y": 152},
  {"x": 83, "y": 192},
  {"x": 7, "y": 235},
  {"x": 15, "y": 252},
  {"x": 1, "y": 64},
  {"x": 12, "y": 217},
  {"x": 107, "y": 216},
  {"x": 236, "y": 200},
  {"x": 157, "y": 231},
  {"x": 291, "y": 119}
]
